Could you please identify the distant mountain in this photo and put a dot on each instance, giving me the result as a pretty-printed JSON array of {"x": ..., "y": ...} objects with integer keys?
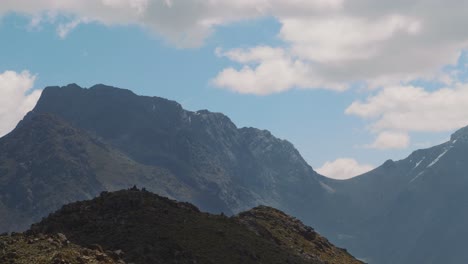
[
  {"x": 232, "y": 169},
  {"x": 410, "y": 211},
  {"x": 148, "y": 228},
  {"x": 78, "y": 142}
]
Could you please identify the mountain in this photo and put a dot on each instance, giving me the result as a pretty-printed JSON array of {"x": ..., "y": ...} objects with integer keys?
[
  {"x": 79, "y": 142},
  {"x": 152, "y": 229},
  {"x": 45, "y": 163},
  {"x": 231, "y": 169},
  {"x": 409, "y": 211}
]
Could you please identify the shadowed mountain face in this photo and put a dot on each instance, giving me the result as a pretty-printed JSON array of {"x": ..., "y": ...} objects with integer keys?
[
  {"x": 45, "y": 163},
  {"x": 233, "y": 169},
  {"x": 40, "y": 158},
  {"x": 152, "y": 229},
  {"x": 78, "y": 142},
  {"x": 410, "y": 211}
]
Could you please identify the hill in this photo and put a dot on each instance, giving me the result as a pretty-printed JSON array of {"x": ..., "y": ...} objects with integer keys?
[{"x": 153, "y": 229}]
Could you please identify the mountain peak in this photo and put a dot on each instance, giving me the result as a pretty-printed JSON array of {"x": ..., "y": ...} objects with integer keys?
[
  {"x": 102, "y": 86},
  {"x": 389, "y": 163},
  {"x": 73, "y": 86},
  {"x": 201, "y": 157},
  {"x": 110, "y": 89},
  {"x": 460, "y": 133}
]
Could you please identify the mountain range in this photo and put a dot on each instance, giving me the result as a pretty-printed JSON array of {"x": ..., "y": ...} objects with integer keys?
[{"x": 79, "y": 142}]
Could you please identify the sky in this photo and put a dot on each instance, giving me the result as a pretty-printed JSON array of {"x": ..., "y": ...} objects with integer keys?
[{"x": 351, "y": 83}]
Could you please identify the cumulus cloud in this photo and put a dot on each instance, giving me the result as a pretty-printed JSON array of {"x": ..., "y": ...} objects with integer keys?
[
  {"x": 361, "y": 42},
  {"x": 342, "y": 38},
  {"x": 185, "y": 23},
  {"x": 322, "y": 52},
  {"x": 268, "y": 70},
  {"x": 343, "y": 168},
  {"x": 410, "y": 108},
  {"x": 328, "y": 44},
  {"x": 404, "y": 109},
  {"x": 16, "y": 98},
  {"x": 391, "y": 140}
]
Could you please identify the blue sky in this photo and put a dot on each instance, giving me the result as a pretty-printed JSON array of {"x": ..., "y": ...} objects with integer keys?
[{"x": 332, "y": 100}]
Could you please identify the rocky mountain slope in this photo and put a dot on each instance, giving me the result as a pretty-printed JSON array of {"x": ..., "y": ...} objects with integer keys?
[
  {"x": 78, "y": 142},
  {"x": 233, "y": 169},
  {"x": 45, "y": 163},
  {"x": 409, "y": 211},
  {"x": 153, "y": 229},
  {"x": 290, "y": 233},
  {"x": 50, "y": 249}
]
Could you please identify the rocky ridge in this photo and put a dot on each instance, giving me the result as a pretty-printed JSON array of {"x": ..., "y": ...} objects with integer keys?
[
  {"x": 417, "y": 204},
  {"x": 230, "y": 169},
  {"x": 290, "y": 233},
  {"x": 153, "y": 229}
]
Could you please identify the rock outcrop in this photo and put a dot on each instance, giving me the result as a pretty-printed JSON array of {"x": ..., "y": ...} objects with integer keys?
[{"x": 19, "y": 248}]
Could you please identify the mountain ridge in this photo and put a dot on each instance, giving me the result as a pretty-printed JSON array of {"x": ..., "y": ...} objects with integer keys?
[
  {"x": 152, "y": 229},
  {"x": 413, "y": 198},
  {"x": 46, "y": 163},
  {"x": 203, "y": 149},
  {"x": 205, "y": 159}
]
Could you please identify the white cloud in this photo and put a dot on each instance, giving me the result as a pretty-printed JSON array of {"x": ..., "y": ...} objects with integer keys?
[
  {"x": 361, "y": 41},
  {"x": 268, "y": 70},
  {"x": 409, "y": 108},
  {"x": 405, "y": 109},
  {"x": 64, "y": 29},
  {"x": 391, "y": 140},
  {"x": 343, "y": 38},
  {"x": 16, "y": 98},
  {"x": 319, "y": 50},
  {"x": 328, "y": 44},
  {"x": 343, "y": 168},
  {"x": 185, "y": 23}
]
